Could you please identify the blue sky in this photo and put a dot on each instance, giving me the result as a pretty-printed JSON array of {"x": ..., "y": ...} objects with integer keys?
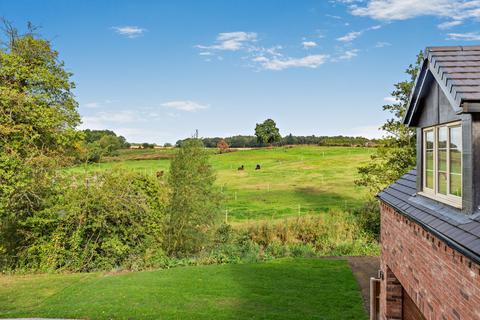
[{"x": 157, "y": 70}]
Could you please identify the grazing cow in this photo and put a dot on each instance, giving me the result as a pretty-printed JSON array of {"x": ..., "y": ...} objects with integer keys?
[
  {"x": 160, "y": 174},
  {"x": 241, "y": 168},
  {"x": 258, "y": 167}
]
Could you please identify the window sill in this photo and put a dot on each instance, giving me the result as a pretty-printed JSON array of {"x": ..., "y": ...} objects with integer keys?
[{"x": 452, "y": 201}]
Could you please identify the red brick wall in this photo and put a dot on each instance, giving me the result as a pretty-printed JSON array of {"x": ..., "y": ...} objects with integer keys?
[{"x": 443, "y": 283}]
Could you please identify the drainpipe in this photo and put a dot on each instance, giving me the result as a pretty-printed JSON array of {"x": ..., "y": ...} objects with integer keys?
[{"x": 375, "y": 296}]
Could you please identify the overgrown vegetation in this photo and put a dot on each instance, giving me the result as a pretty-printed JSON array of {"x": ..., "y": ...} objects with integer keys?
[
  {"x": 194, "y": 206},
  {"x": 51, "y": 220},
  {"x": 38, "y": 116}
]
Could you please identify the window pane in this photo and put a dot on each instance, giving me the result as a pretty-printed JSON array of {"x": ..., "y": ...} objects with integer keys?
[
  {"x": 442, "y": 137},
  {"x": 455, "y": 161},
  {"x": 456, "y": 184},
  {"x": 442, "y": 160},
  {"x": 442, "y": 183},
  {"x": 429, "y": 162},
  {"x": 456, "y": 138},
  {"x": 429, "y": 179},
  {"x": 429, "y": 139}
]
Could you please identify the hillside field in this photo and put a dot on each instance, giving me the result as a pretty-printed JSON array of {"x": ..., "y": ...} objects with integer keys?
[{"x": 292, "y": 180}]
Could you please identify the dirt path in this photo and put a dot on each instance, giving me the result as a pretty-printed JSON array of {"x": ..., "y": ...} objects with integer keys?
[{"x": 364, "y": 268}]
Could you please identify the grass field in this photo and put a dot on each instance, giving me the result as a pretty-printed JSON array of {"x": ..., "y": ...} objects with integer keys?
[
  {"x": 299, "y": 180},
  {"x": 280, "y": 289}
]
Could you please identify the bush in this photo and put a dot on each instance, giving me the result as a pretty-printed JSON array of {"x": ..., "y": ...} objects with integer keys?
[
  {"x": 369, "y": 218},
  {"x": 109, "y": 220},
  {"x": 194, "y": 205}
]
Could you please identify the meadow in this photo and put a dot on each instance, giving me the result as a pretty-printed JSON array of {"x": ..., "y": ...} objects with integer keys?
[
  {"x": 292, "y": 180},
  {"x": 280, "y": 289},
  {"x": 312, "y": 188}
]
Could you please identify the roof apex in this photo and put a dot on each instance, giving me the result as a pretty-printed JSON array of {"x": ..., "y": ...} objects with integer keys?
[{"x": 457, "y": 71}]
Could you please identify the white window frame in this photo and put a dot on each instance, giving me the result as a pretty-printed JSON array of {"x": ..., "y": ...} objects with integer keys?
[{"x": 449, "y": 199}]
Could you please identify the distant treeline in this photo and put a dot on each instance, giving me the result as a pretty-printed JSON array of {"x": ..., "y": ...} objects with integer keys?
[{"x": 252, "y": 141}]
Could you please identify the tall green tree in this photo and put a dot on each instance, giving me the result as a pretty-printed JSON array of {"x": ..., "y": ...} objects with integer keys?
[
  {"x": 38, "y": 117},
  {"x": 194, "y": 207},
  {"x": 396, "y": 153},
  {"x": 267, "y": 132}
]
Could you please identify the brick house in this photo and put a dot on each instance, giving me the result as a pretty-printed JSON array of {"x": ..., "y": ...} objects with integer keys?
[{"x": 430, "y": 217}]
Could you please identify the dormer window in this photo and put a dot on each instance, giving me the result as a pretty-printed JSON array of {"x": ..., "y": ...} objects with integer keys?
[{"x": 442, "y": 163}]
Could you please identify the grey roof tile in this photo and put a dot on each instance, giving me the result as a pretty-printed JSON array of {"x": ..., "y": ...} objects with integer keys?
[
  {"x": 461, "y": 232},
  {"x": 459, "y": 70}
]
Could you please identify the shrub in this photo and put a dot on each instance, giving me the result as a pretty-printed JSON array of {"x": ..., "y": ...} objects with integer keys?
[
  {"x": 109, "y": 220},
  {"x": 194, "y": 205},
  {"x": 369, "y": 218},
  {"x": 332, "y": 233}
]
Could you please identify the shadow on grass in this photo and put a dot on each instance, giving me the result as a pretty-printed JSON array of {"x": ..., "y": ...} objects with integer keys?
[
  {"x": 319, "y": 200},
  {"x": 298, "y": 289}
]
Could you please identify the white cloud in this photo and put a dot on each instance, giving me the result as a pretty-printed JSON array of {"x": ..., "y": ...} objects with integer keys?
[
  {"x": 350, "y": 36},
  {"x": 91, "y": 105},
  {"x": 231, "y": 41},
  {"x": 468, "y": 36},
  {"x": 382, "y": 44},
  {"x": 105, "y": 120},
  {"x": 96, "y": 104},
  {"x": 449, "y": 24},
  {"x": 349, "y": 54},
  {"x": 129, "y": 31},
  {"x": 267, "y": 58},
  {"x": 309, "y": 44},
  {"x": 185, "y": 105},
  {"x": 355, "y": 34},
  {"x": 310, "y": 61},
  {"x": 389, "y": 10}
]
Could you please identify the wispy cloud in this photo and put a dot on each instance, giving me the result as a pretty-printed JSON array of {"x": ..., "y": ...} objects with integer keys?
[
  {"x": 468, "y": 36},
  {"x": 350, "y": 36},
  {"x": 388, "y": 10},
  {"x": 349, "y": 54},
  {"x": 382, "y": 44},
  {"x": 185, "y": 105},
  {"x": 310, "y": 61},
  {"x": 96, "y": 104},
  {"x": 309, "y": 44},
  {"x": 355, "y": 34},
  {"x": 449, "y": 24},
  {"x": 231, "y": 41},
  {"x": 104, "y": 120},
  {"x": 274, "y": 58},
  {"x": 130, "y": 31},
  {"x": 91, "y": 105}
]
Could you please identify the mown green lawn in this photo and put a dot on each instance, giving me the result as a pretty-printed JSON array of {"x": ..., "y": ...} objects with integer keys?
[
  {"x": 279, "y": 289},
  {"x": 299, "y": 180}
]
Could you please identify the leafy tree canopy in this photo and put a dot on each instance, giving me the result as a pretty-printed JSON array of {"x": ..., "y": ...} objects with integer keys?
[
  {"x": 194, "y": 207},
  {"x": 267, "y": 132},
  {"x": 396, "y": 154},
  {"x": 38, "y": 118},
  {"x": 38, "y": 112}
]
